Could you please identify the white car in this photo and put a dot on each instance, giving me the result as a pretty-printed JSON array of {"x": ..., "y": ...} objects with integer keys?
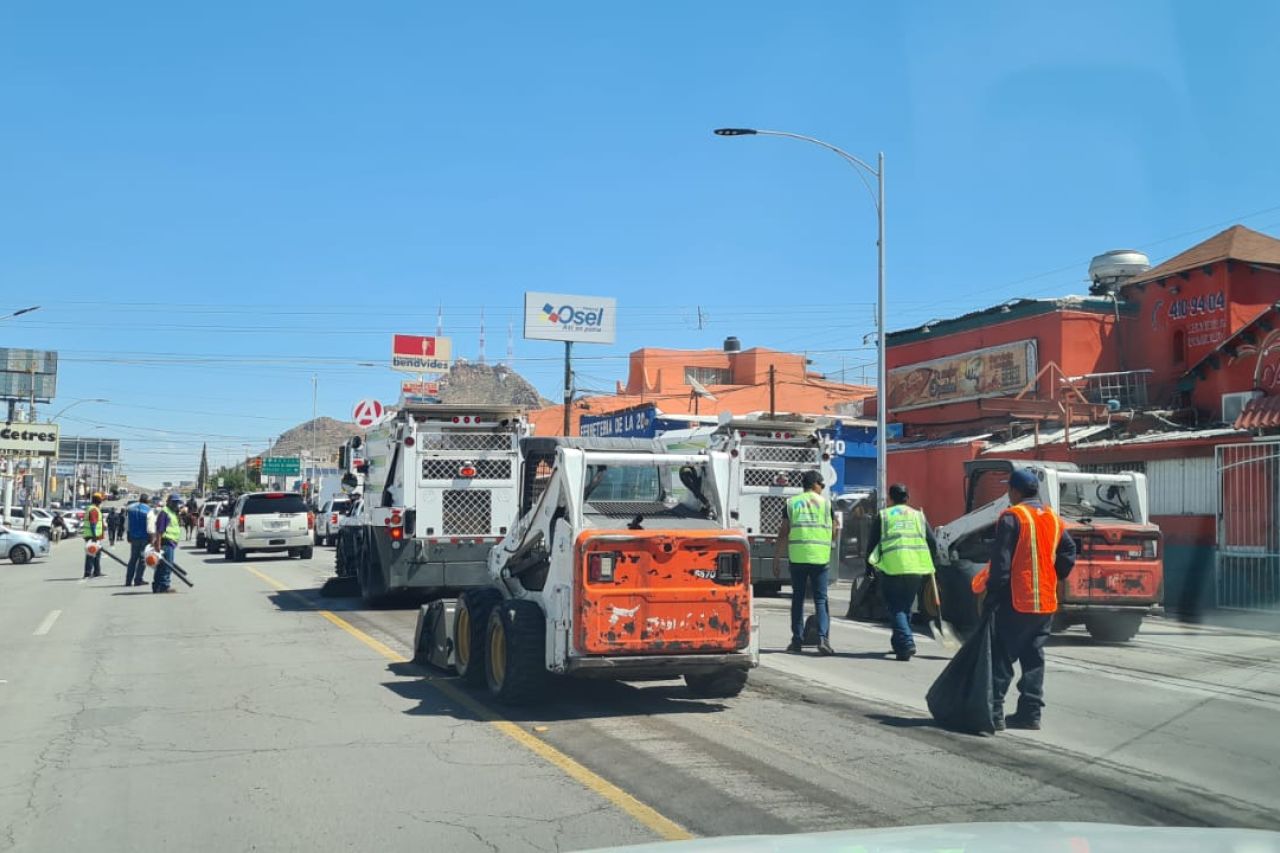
[
  {"x": 20, "y": 546},
  {"x": 204, "y": 523},
  {"x": 215, "y": 535},
  {"x": 270, "y": 521},
  {"x": 331, "y": 514},
  {"x": 41, "y": 521}
]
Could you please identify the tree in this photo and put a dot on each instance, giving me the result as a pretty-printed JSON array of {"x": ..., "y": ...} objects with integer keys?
[
  {"x": 202, "y": 479},
  {"x": 234, "y": 479}
]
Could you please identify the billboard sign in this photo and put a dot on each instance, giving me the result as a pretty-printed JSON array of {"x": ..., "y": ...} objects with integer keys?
[
  {"x": 421, "y": 354},
  {"x": 999, "y": 371},
  {"x": 564, "y": 317},
  {"x": 638, "y": 422},
  {"x": 89, "y": 450},
  {"x": 29, "y": 440},
  {"x": 24, "y": 371},
  {"x": 419, "y": 389}
]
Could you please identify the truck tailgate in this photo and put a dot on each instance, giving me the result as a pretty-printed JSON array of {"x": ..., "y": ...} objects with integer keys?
[{"x": 664, "y": 594}]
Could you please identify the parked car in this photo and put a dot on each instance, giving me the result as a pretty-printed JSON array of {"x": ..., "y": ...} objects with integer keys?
[
  {"x": 331, "y": 513},
  {"x": 41, "y": 521},
  {"x": 270, "y": 522},
  {"x": 21, "y": 546},
  {"x": 215, "y": 534},
  {"x": 204, "y": 523}
]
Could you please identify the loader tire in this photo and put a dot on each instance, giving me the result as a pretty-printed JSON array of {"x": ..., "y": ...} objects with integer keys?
[
  {"x": 515, "y": 653},
  {"x": 1113, "y": 627},
  {"x": 719, "y": 684},
  {"x": 470, "y": 622}
]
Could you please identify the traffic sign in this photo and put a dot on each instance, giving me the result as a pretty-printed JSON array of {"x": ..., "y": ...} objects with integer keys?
[
  {"x": 281, "y": 465},
  {"x": 367, "y": 413}
]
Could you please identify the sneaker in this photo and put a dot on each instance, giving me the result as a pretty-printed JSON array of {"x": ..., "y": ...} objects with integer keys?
[
  {"x": 906, "y": 654},
  {"x": 824, "y": 648},
  {"x": 1023, "y": 721},
  {"x": 795, "y": 647}
]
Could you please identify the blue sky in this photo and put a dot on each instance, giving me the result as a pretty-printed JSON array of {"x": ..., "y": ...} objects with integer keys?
[{"x": 215, "y": 201}]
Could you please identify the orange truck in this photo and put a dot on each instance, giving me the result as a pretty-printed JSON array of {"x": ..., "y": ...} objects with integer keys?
[
  {"x": 1118, "y": 579},
  {"x": 622, "y": 564}
]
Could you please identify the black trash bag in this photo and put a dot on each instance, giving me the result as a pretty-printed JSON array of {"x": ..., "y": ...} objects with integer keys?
[
  {"x": 960, "y": 698},
  {"x": 810, "y": 637},
  {"x": 866, "y": 604}
]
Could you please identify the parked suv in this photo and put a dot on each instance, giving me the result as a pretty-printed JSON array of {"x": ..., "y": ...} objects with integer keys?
[
  {"x": 270, "y": 521},
  {"x": 331, "y": 513},
  {"x": 205, "y": 521},
  {"x": 215, "y": 534}
]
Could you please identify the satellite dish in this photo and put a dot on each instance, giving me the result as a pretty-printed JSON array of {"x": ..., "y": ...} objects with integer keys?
[{"x": 699, "y": 390}]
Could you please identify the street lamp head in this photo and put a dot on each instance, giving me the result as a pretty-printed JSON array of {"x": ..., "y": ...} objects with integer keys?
[{"x": 734, "y": 131}]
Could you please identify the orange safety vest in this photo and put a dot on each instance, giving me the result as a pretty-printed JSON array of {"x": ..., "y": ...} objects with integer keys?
[{"x": 1032, "y": 577}]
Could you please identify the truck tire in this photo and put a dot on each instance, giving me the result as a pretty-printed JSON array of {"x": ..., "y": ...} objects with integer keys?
[
  {"x": 306, "y": 553},
  {"x": 230, "y": 553},
  {"x": 200, "y": 541},
  {"x": 373, "y": 585},
  {"x": 515, "y": 665},
  {"x": 1113, "y": 627},
  {"x": 315, "y": 538},
  {"x": 719, "y": 684},
  {"x": 20, "y": 555},
  {"x": 470, "y": 620},
  {"x": 767, "y": 590},
  {"x": 241, "y": 555}
]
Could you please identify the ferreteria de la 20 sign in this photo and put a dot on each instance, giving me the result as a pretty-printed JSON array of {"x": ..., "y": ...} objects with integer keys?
[{"x": 29, "y": 440}]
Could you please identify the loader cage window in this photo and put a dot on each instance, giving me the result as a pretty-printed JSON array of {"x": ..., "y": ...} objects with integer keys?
[
  {"x": 649, "y": 490},
  {"x": 1081, "y": 497}
]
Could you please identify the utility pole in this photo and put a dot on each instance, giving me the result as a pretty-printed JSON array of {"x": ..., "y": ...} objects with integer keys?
[
  {"x": 568, "y": 385},
  {"x": 773, "y": 391}
]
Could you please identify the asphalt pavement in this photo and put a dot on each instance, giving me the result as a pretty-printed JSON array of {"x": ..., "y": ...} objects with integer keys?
[{"x": 251, "y": 713}]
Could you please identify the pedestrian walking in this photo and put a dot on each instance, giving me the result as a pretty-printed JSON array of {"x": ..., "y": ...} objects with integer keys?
[
  {"x": 136, "y": 530},
  {"x": 58, "y": 528},
  {"x": 900, "y": 546},
  {"x": 1031, "y": 553},
  {"x": 113, "y": 525},
  {"x": 94, "y": 530},
  {"x": 809, "y": 531},
  {"x": 168, "y": 532}
]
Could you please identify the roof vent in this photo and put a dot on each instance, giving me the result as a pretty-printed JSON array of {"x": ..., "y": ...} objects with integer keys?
[
  {"x": 732, "y": 344},
  {"x": 1111, "y": 269}
]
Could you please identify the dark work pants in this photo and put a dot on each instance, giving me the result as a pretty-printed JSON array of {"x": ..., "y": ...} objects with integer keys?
[
  {"x": 899, "y": 594},
  {"x": 136, "y": 568},
  {"x": 1019, "y": 637},
  {"x": 92, "y": 565},
  {"x": 815, "y": 577}
]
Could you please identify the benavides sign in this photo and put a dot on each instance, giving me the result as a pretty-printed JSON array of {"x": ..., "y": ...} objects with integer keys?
[{"x": 29, "y": 440}]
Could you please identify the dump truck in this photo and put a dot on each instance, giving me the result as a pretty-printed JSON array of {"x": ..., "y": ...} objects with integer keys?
[
  {"x": 440, "y": 489},
  {"x": 767, "y": 458},
  {"x": 1118, "y": 579},
  {"x": 622, "y": 563}
]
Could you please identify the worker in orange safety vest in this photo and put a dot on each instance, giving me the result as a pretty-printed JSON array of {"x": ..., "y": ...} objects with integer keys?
[{"x": 1031, "y": 553}]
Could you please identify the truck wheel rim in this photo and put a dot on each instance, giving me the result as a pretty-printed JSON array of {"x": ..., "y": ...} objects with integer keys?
[
  {"x": 463, "y": 640},
  {"x": 498, "y": 654}
]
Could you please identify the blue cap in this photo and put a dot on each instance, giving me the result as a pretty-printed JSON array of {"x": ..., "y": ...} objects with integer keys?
[
  {"x": 1024, "y": 481},
  {"x": 175, "y": 497}
]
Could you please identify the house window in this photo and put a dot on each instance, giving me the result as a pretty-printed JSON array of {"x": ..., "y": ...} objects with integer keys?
[
  {"x": 707, "y": 375},
  {"x": 1179, "y": 347}
]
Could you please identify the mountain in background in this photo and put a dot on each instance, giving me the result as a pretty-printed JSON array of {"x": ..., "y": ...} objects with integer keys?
[{"x": 465, "y": 384}]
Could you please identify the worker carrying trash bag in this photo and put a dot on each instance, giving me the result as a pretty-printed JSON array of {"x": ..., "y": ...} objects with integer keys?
[{"x": 1030, "y": 554}]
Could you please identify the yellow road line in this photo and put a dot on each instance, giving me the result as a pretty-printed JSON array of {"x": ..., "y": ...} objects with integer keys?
[{"x": 645, "y": 815}]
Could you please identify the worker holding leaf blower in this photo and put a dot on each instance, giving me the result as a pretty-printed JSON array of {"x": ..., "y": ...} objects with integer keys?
[
  {"x": 900, "y": 545},
  {"x": 168, "y": 532}
]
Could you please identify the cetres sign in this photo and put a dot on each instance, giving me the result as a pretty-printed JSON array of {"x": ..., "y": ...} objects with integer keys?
[
  {"x": 421, "y": 353},
  {"x": 29, "y": 440}
]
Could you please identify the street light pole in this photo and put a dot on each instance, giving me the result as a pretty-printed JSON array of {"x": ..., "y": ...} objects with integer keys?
[
  {"x": 53, "y": 420},
  {"x": 877, "y": 198}
]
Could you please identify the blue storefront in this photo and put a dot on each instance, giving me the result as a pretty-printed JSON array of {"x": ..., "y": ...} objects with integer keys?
[{"x": 855, "y": 443}]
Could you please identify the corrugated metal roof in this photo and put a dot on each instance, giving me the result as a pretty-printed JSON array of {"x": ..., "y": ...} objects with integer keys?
[
  {"x": 1172, "y": 435},
  {"x": 1055, "y": 436},
  {"x": 1262, "y": 413},
  {"x": 937, "y": 442}
]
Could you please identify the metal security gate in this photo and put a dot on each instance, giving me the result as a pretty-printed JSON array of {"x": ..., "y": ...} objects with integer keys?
[{"x": 1247, "y": 575}]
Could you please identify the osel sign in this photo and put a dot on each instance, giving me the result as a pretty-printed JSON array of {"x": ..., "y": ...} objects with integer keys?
[{"x": 29, "y": 440}]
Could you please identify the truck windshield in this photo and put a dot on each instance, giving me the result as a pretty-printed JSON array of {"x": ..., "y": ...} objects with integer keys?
[
  {"x": 1082, "y": 498},
  {"x": 670, "y": 491}
]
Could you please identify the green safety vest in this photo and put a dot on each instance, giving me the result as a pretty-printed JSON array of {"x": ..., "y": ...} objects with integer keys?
[
  {"x": 173, "y": 532},
  {"x": 904, "y": 547},
  {"x": 810, "y": 537},
  {"x": 89, "y": 530}
]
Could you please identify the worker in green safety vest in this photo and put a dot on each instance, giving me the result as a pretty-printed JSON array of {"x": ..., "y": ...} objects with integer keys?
[
  {"x": 900, "y": 545},
  {"x": 809, "y": 531},
  {"x": 94, "y": 529}
]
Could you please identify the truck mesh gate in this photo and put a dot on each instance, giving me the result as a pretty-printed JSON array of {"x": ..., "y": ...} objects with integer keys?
[
  {"x": 804, "y": 456},
  {"x": 466, "y": 512},
  {"x": 773, "y": 508},
  {"x": 766, "y": 477},
  {"x": 466, "y": 440},
  {"x": 1247, "y": 575},
  {"x": 447, "y": 469}
]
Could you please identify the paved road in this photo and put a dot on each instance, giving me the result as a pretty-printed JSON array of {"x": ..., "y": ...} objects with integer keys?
[{"x": 251, "y": 712}]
